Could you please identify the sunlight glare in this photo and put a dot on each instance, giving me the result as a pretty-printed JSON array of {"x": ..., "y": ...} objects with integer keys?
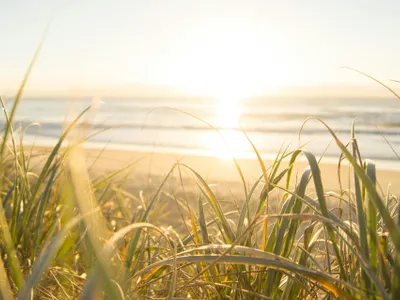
[
  {"x": 231, "y": 60},
  {"x": 228, "y": 121}
]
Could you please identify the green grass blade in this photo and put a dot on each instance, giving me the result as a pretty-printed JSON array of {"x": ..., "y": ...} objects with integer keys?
[
  {"x": 214, "y": 203},
  {"x": 46, "y": 258},
  {"x": 134, "y": 241},
  {"x": 44, "y": 172},
  {"x": 369, "y": 167},
  {"x": 316, "y": 174},
  {"x": 362, "y": 222},
  {"x": 13, "y": 261},
  {"x": 377, "y": 200}
]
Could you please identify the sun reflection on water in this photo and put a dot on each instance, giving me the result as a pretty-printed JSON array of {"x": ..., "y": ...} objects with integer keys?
[{"x": 228, "y": 122}]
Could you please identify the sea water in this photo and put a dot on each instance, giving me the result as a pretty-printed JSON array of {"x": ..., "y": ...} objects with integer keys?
[{"x": 170, "y": 125}]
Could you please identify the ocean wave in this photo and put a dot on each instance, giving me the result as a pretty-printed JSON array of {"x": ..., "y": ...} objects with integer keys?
[{"x": 391, "y": 129}]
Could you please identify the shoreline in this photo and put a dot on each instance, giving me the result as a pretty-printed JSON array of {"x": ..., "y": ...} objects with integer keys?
[
  {"x": 47, "y": 142},
  {"x": 215, "y": 170}
]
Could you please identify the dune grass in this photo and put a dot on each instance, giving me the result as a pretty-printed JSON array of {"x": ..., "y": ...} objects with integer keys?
[{"x": 65, "y": 235}]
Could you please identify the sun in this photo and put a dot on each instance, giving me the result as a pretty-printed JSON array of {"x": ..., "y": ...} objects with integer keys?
[
  {"x": 229, "y": 62},
  {"x": 228, "y": 65}
]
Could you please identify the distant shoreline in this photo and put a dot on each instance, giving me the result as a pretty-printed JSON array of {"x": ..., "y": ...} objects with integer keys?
[{"x": 46, "y": 142}]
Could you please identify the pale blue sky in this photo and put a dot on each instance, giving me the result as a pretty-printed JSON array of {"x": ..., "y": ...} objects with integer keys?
[{"x": 209, "y": 46}]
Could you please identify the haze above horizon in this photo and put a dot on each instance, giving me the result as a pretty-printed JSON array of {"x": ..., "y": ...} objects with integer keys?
[{"x": 214, "y": 48}]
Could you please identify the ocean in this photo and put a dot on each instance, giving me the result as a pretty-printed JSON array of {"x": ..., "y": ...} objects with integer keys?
[{"x": 160, "y": 125}]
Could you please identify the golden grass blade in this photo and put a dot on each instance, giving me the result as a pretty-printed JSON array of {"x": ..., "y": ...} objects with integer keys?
[
  {"x": 93, "y": 218},
  {"x": 5, "y": 288},
  {"x": 202, "y": 223},
  {"x": 266, "y": 184},
  {"x": 376, "y": 80},
  {"x": 259, "y": 158},
  {"x": 277, "y": 264}
]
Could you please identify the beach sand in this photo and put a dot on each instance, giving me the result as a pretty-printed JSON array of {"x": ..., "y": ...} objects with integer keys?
[
  {"x": 147, "y": 170},
  {"x": 150, "y": 166}
]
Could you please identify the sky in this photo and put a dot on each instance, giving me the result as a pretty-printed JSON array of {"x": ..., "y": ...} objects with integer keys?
[{"x": 208, "y": 47}]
